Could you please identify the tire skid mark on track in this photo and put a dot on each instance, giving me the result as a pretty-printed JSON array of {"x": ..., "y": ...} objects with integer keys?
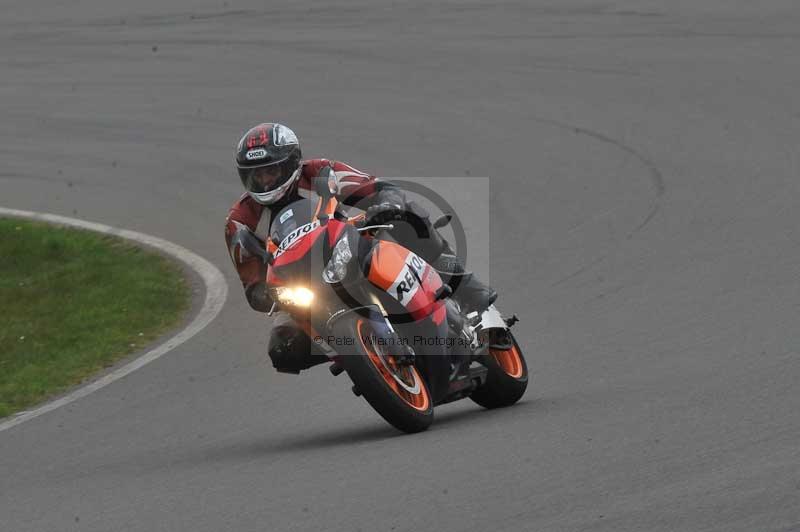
[
  {"x": 579, "y": 271},
  {"x": 216, "y": 294},
  {"x": 656, "y": 178}
]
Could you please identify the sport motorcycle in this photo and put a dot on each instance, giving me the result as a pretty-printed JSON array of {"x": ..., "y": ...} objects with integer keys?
[{"x": 384, "y": 316}]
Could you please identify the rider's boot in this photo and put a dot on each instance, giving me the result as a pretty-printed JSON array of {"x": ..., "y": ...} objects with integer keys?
[
  {"x": 472, "y": 294},
  {"x": 289, "y": 348}
]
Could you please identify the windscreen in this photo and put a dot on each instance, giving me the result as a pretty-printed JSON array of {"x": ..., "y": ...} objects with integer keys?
[{"x": 295, "y": 215}]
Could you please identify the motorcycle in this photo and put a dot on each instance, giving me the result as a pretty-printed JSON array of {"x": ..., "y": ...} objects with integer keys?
[{"x": 383, "y": 315}]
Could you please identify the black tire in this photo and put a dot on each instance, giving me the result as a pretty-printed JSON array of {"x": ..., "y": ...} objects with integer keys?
[
  {"x": 501, "y": 388},
  {"x": 370, "y": 383}
]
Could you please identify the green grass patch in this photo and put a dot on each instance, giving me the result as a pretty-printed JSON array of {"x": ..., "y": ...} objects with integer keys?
[{"x": 72, "y": 303}]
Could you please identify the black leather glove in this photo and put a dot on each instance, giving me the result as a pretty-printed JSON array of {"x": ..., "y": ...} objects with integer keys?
[
  {"x": 383, "y": 213},
  {"x": 258, "y": 297}
]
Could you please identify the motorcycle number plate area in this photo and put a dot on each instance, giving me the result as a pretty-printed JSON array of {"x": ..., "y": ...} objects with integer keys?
[{"x": 492, "y": 319}]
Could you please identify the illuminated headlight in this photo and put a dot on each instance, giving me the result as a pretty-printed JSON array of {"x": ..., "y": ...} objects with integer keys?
[
  {"x": 297, "y": 296},
  {"x": 336, "y": 270}
]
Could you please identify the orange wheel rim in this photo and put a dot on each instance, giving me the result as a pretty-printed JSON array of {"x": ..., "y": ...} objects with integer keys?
[
  {"x": 404, "y": 381},
  {"x": 509, "y": 360}
]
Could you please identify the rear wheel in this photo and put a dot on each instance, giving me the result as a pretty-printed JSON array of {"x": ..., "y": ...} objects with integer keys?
[
  {"x": 396, "y": 391},
  {"x": 507, "y": 379}
]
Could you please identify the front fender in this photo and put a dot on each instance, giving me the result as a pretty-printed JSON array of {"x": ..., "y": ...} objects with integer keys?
[{"x": 425, "y": 338}]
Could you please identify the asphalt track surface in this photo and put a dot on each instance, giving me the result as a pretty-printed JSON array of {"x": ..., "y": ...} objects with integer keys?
[{"x": 643, "y": 159}]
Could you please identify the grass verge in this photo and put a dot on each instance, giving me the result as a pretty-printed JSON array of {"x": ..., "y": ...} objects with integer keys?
[{"x": 72, "y": 303}]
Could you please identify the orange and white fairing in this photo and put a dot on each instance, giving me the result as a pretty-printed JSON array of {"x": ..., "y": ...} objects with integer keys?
[{"x": 406, "y": 277}]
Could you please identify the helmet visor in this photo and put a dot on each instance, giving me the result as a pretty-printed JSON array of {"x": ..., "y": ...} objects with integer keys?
[
  {"x": 264, "y": 178},
  {"x": 269, "y": 183}
]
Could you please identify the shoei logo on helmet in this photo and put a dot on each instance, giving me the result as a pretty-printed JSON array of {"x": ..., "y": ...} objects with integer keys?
[
  {"x": 283, "y": 136},
  {"x": 258, "y": 153}
]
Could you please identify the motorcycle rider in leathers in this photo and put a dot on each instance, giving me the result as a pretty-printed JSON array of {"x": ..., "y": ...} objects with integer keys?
[{"x": 268, "y": 160}]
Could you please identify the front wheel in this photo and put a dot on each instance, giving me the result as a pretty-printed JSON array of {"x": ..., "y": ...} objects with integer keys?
[
  {"x": 507, "y": 379},
  {"x": 397, "y": 392}
]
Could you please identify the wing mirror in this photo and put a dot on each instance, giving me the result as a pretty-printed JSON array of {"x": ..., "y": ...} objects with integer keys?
[
  {"x": 443, "y": 220},
  {"x": 327, "y": 183}
]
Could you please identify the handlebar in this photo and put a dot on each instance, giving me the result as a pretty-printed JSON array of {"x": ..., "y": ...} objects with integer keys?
[
  {"x": 420, "y": 225},
  {"x": 374, "y": 227}
]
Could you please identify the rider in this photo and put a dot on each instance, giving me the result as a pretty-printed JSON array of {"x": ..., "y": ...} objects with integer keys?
[{"x": 269, "y": 163}]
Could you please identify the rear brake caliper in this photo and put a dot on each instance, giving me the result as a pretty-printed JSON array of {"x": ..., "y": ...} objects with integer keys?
[{"x": 499, "y": 339}]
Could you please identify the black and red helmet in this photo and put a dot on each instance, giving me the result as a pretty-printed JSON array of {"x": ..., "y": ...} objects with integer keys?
[{"x": 268, "y": 161}]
